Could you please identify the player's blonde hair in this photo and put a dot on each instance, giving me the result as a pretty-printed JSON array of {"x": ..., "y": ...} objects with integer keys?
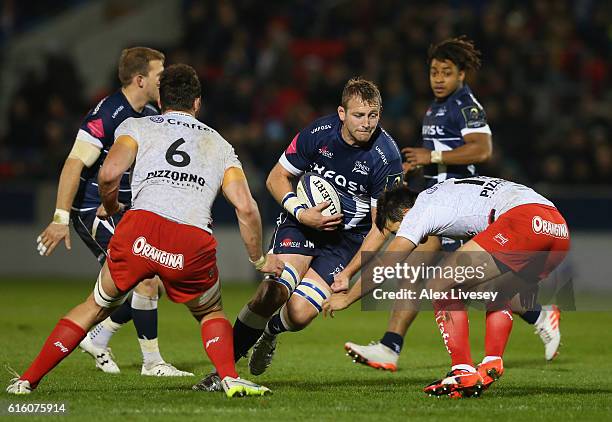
[
  {"x": 363, "y": 89},
  {"x": 135, "y": 61}
]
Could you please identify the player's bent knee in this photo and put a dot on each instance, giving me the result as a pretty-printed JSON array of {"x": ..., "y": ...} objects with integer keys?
[
  {"x": 209, "y": 301},
  {"x": 147, "y": 288},
  {"x": 269, "y": 297},
  {"x": 104, "y": 299},
  {"x": 289, "y": 279},
  {"x": 311, "y": 297}
]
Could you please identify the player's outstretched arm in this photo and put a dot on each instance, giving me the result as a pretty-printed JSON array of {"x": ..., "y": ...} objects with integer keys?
[
  {"x": 279, "y": 185},
  {"x": 236, "y": 189},
  {"x": 82, "y": 154},
  {"x": 119, "y": 159},
  {"x": 401, "y": 247},
  {"x": 373, "y": 241}
]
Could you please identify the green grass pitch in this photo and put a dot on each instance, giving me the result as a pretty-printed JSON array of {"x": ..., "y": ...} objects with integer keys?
[{"x": 311, "y": 377}]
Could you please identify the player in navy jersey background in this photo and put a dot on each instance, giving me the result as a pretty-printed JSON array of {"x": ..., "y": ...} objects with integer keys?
[
  {"x": 456, "y": 136},
  {"x": 78, "y": 200},
  {"x": 360, "y": 160}
]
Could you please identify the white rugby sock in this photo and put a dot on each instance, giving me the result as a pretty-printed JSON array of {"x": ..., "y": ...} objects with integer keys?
[
  {"x": 150, "y": 352},
  {"x": 101, "y": 334}
]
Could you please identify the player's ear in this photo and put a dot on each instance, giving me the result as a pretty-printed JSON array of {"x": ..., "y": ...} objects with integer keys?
[
  {"x": 462, "y": 75},
  {"x": 197, "y": 104},
  {"x": 139, "y": 81},
  {"x": 341, "y": 113}
]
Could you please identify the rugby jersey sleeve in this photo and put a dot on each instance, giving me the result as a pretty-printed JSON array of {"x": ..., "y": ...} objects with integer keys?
[
  {"x": 298, "y": 155},
  {"x": 470, "y": 116}
]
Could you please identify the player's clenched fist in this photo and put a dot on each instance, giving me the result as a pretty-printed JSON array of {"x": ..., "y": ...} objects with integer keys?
[
  {"x": 51, "y": 236},
  {"x": 313, "y": 217}
]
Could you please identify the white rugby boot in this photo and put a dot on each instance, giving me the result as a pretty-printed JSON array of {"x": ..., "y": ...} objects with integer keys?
[
  {"x": 104, "y": 357},
  {"x": 19, "y": 387},
  {"x": 547, "y": 327},
  {"x": 376, "y": 355},
  {"x": 263, "y": 352},
  {"x": 237, "y": 387},
  {"x": 163, "y": 369}
]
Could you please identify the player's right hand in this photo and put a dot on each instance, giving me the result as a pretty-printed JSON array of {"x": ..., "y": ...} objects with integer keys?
[
  {"x": 341, "y": 282},
  {"x": 273, "y": 265},
  {"x": 313, "y": 217},
  {"x": 51, "y": 237}
]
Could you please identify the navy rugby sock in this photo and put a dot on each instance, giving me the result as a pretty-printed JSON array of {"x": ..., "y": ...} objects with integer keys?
[
  {"x": 123, "y": 313},
  {"x": 531, "y": 316},
  {"x": 244, "y": 338},
  {"x": 393, "y": 341}
]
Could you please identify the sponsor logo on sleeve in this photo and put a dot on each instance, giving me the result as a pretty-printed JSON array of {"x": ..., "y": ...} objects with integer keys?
[
  {"x": 142, "y": 248},
  {"x": 545, "y": 227},
  {"x": 156, "y": 119},
  {"x": 474, "y": 116}
]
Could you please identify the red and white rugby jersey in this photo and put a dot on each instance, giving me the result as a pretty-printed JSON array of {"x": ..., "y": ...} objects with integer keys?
[
  {"x": 179, "y": 166},
  {"x": 462, "y": 208}
]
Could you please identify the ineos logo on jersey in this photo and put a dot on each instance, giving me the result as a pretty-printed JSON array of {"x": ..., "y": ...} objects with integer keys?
[
  {"x": 338, "y": 179},
  {"x": 169, "y": 260},
  {"x": 322, "y": 127},
  {"x": 382, "y": 155},
  {"x": 118, "y": 111},
  {"x": 432, "y": 130},
  {"x": 542, "y": 226}
]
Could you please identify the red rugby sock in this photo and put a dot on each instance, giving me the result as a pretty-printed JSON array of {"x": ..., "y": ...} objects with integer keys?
[
  {"x": 455, "y": 329},
  {"x": 218, "y": 340},
  {"x": 64, "y": 338},
  {"x": 499, "y": 326}
]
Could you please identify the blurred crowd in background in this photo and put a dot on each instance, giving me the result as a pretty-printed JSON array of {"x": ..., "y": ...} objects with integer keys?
[{"x": 269, "y": 68}]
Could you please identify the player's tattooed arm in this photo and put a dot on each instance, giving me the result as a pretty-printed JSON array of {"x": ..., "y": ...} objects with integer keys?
[
  {"x": 399, "y": 249},
  {"x": 236, "y": 189},
  {"x": 119, "y": 159},
  {"x": 373, "y": 241}
]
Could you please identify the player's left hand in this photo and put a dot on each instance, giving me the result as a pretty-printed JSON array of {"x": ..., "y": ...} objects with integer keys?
[
  {"x": 103, "y": 214},
  {"x": 274, "y": 265},
  {"x": 337, "y": 302},
  {"x": 417, "y": 156},
  {"x": 341, "y": 282}
]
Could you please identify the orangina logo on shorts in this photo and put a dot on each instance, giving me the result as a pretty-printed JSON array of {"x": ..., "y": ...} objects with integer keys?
[
  {"x": 170, "y": 260},
  {"x": 549, "y": 228}
]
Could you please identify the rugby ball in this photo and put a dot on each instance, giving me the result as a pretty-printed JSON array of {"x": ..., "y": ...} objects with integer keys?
[{"x": 312, "y": 189}]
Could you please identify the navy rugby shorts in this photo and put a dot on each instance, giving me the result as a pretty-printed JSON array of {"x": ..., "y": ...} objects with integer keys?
[{"x": 332, "y": 251}]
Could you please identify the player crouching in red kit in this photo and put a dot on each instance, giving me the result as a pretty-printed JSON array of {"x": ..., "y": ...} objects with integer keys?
[
  {"x": 181, "y": 165},
  {"x": 513, "y": 231}
]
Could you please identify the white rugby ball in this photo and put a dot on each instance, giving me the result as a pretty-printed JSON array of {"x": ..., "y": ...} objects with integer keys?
[{"x": 312, "y": 189}]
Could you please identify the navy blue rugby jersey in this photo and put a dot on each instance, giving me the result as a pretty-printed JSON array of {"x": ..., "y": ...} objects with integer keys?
[
  {"x": 98, "y": 128},
  {"x": 360, "y": 174},
  {"x": 444, "y": 126}
]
